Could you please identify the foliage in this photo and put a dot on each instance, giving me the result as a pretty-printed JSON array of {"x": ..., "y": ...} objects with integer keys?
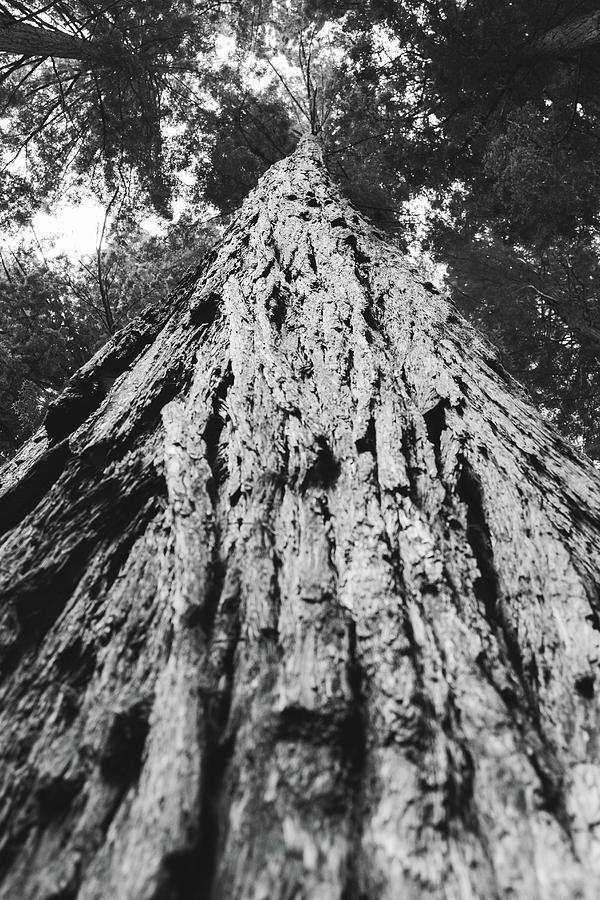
[
  {"x": 249, "y": 133},
  {"x": 541, "y": 315},
  {"x": 53, "y": 315},
  {"x": 108, "y": 106},
  {"x": 459, "y": 101},
  {"x": 44, "y": 336}
]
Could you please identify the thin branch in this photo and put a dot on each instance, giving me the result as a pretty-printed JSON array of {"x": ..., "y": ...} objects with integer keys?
[{"x": 110, "y": 322}]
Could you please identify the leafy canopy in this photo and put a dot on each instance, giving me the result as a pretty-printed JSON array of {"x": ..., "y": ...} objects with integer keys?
[{"x": 468, "y": 126}]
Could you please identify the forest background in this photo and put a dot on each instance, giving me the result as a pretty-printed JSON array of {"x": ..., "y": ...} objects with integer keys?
[{"x": 466, "y": 129}]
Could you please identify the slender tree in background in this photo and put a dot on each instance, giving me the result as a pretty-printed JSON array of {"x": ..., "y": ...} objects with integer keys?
[
  {"x": 299, "y": 596},
  {"x": 92, "y": 84}
]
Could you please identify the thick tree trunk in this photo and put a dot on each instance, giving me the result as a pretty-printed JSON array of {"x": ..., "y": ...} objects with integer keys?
[
  {"x": 33, "y": 41},
  {"x": 572, "y": 37},
  {"x": 305, "y": 606}
]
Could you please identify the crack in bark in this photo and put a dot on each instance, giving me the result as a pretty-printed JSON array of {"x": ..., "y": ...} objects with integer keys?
[
  {"x": 435, "y": 422},
  {"x": 356, "y": 735},
  {"x": 544, "y": 758},
  {"x": 216, "y": 448}
]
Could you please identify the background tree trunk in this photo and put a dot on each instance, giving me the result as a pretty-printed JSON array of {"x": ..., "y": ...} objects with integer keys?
[
  {"x": 572, "y": 37},
  {"x": 31, "y": 40},
  {"x": 307, "y": 604}
]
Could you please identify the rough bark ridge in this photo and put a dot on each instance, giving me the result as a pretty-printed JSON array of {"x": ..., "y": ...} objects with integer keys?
[{"x": 305, "y": 606}]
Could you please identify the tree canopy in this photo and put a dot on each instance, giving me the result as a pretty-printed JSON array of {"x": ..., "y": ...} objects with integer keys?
[{"x": 467, "y": 128}]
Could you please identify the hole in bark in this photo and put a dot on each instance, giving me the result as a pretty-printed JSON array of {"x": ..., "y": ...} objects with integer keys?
[
  {"x": 510, "y": 697},
  {"x": 360, "y": 257},
  {"x": 69, "y": 705},
  {"x": 339, "y": 222},
  {"x": 496, "y": 366},
  {"x": 335, "y": 725},
  {"x": 594, "y": 621},
  {"x": 205, "y": 310},
  {"x": 367, "y": 443},
  {"x": 435, "y": 422},
  {"x": 277, "y": 308},
  {"x": 324, "y": 470},
  {"x": 349, "y": 366},
  {"x": 54, "y": 795},
  {"x": 429, "y": 286},
  {"x": 585, "y": 686},
  {"x": 123, "y": 750}
]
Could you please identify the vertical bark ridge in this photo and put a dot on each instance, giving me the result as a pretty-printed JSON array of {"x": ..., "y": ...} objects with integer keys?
[{"x": 316, "y": 596}]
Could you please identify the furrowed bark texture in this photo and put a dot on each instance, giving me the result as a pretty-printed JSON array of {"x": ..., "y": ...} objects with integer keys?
[{"x": 299, "y": 597}]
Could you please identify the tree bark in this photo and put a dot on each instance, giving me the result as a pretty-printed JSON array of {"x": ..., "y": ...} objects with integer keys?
[
  {"x": 572, "y": 37},
  {"x": 33, "y": 41},
  {"x": 299, "y": 596}
]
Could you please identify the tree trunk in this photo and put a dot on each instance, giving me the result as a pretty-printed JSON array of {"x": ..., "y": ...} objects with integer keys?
[
  {"x": 572, "y": 37},
  {"x": 305, "y": 606},
  {"x": 32, "y": 41}
]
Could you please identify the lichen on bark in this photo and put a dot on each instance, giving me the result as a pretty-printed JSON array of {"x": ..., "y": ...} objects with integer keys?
[{"x": 303, "y": 601}]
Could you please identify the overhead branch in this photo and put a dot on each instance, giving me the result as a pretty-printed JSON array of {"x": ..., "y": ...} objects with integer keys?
[{"x": 568, "y": 38}]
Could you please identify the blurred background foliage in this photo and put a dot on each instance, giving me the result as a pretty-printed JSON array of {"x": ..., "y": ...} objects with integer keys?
[{"x": 467, "y": 129}]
